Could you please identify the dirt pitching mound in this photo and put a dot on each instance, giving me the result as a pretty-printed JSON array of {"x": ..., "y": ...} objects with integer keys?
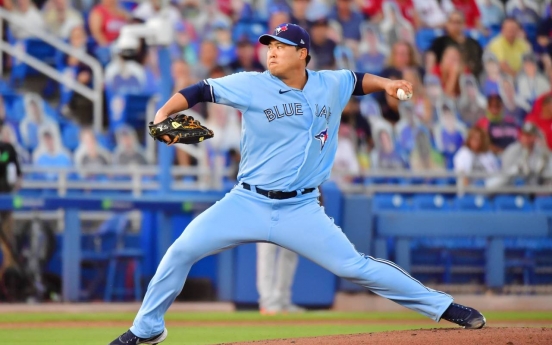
[{"x": 485, "y": 336}]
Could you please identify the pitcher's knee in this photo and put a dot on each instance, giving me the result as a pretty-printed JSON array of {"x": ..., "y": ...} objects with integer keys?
[
  {"x": 352, "y": 270},
  {"x": 183, "y": 253}
]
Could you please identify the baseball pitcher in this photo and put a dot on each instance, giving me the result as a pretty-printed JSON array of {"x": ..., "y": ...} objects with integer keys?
[{"x": 290, "y": 120}]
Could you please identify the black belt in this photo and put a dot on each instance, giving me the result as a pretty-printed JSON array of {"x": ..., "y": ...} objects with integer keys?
[{"x": 276, "y": 194}]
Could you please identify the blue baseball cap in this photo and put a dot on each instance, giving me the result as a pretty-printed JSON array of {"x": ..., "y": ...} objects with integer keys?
[{"x": 290, "y": 34}]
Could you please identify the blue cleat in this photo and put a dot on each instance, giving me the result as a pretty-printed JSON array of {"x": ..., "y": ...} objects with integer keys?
[
  {"x": 466, "y": 317},
  {"x": 128, "y": 338}
]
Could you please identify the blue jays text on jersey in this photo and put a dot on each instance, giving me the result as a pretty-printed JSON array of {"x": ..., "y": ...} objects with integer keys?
[{"x": 281, "y": 146}]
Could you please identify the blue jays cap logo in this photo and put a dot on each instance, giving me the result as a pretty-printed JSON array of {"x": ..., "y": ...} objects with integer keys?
[
  {"x": 323, "y": 137},
  {"x": 280, "y": 29}
]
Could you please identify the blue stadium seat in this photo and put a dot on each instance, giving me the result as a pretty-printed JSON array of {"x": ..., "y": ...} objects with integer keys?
[
  {"x": 390, "y": 202},
  {"x": 425, "y": 36},
  {"x": 435, "y": 202},
  {"x": 543, "y": 204},
  {"x": 472, "y": 203},
  {"x": 70, "y": 136},
  {"x": 513, "y": 203}
]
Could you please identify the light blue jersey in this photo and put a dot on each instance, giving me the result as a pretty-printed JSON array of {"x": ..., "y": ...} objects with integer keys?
[{"x": 289, "y": 136}]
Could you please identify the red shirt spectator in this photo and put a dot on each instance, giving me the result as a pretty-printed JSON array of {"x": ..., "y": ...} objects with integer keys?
[
  {"x": 541, "y": 115},
  {"x": 470, "y": 10},
  {"x": 502, "y": 130},
  {"x": 407, "y": 9},
  {"x": 372, "y": 8},
  {"x": 106, "y": 21}
]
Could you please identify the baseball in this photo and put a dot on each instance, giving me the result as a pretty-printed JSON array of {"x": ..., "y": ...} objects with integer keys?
[{"x": 403, "y": 96}]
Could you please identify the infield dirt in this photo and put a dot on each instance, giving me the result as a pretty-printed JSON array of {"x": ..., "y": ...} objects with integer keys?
[{"x": 485, "y": 336}]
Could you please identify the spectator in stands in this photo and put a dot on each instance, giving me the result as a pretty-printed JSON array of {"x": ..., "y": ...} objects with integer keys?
[
  {"x": 502, "y": 130},
  {"x": 449, "y": 71},
  {"x": 128, "y": 150},
  {"x": 544, "y": 35},
  {"x": 154, "y": 8},
  {"x": 492, "y": 13},
  {"x": 222, "y": 36},
  {"x": 393, "y": 26},
  {"x": 389, "y": 105},
  {"x": 490, "y": 78},
  {"x": 468, "y": 8},
  {"x": 208, "y": 57},
  {"x": 509, "y": 47},
  {"x": 246, "y": 59},
  {"x": 50, "y": 153},
  {"x": 106, "y": 20},
  {"x": 34, "y": 120},
  {"x": 522, "y": 13},
  {"x": 60, "y": 18},
  {"x": 345, "y": 50},
  {"x": 346, "y": 167},
  {"x": 225, "y": 121},
  {"x": 423, "y": 110},
  {"x": 423, "y": 156},
  {"x": 90, "y": 153},
  {"x": 373, "y": 10},
  {"x": 10, "y": 181},
  {"x": 528, "y": 157},
  {"x": 449, "y": 132},
  {"x": 402, "y": 56},
  {"x": 124, "y": 76},
  {"x": 299, "y": 9},
  {"x": 511, "y": 100},
  {"x": 181, "y": 74},
  {"x": 349, "y": 18},
  {"x": 430, "y": 12},
  {"x": 433, "y": 90},
  {"x": 352, "y": 116},
  {"x": 531, "y": 84},
  {"x": 541, "y": 115},
  {"x": 30, "y": 18},
  {"x": 386, "y": 156},
  {"x": 455, "y": 35},
  {"x": 8, "y": 135},
  {"x": 475, "y": 156},
  {"x": 407, "y": 127},
  {"x": 472, "y": 104},
  {"x": 322, "y": 47},
  {"x": 78, "y": 107}
]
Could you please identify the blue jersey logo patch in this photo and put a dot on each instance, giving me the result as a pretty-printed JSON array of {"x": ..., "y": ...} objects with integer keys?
[{"x": 323, "y": 137}]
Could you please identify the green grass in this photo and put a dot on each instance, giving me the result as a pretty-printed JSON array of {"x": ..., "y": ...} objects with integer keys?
[{"x": 249, "y": 326}]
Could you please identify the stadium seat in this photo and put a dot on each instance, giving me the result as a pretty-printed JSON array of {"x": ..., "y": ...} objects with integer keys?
[
  {"x": 425, "y": 36},
  {"x": 434, "y": 202},
  {"x": 70, "y": 136},
  {"x": 543, "y": 204},
  {"x": 472, "y": 203},
  {"x": 116, "y": 227},
  {"x": 389, "y": 202},
  {"x": 513, "y": 203}
]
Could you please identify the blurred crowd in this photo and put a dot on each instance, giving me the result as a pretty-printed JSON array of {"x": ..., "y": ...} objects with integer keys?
[{"x": 481, "y": 70}]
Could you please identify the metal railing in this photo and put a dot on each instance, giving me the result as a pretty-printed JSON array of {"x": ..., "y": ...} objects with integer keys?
[
  {"x": 136, "y": 179},
  {"x": 139, "y": 179},
  {"x": 94, "y": 94}
]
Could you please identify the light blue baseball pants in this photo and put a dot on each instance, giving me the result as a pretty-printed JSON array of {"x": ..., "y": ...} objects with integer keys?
[{"x": 298, "y": 224}]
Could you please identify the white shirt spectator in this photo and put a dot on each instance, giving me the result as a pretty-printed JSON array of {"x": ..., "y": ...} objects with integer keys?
[
  {"x": 146, "y": 10},
  {"x": 430, "y": 13},
  {"x": 466, "y": 161},
  {"x": 30, "y": 18}
]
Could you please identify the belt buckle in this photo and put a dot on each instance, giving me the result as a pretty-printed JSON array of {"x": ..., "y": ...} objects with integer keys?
[{"x": 271, "y": 194}]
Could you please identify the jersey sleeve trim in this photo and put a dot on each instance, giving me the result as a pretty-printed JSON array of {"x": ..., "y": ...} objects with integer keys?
[
  {"x": 357, "y": 90},
  {"x": 211, "y": 89}
]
